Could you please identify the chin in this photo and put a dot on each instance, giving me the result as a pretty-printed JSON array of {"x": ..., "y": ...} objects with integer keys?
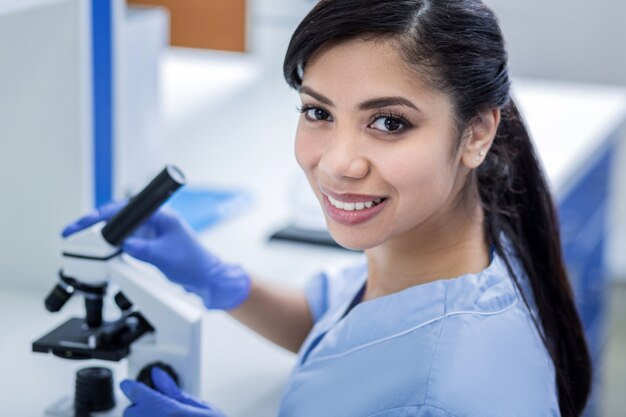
[{"x": 354, "y": 240}]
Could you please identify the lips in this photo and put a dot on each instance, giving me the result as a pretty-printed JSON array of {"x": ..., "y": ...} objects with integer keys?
[
  {"x": 352, "y": 209},
  {"x": 350, "y": 198}
]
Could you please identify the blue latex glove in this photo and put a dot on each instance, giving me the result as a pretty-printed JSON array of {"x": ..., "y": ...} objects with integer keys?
[
  {"x": 167, "y": 242},
  {"x": 167, "y": 401}
]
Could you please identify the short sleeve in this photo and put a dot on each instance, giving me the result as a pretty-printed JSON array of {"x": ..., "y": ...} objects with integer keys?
[{"x": 316, "y": 293}]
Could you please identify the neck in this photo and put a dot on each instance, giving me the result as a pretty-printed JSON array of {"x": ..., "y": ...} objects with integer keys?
[{"x": 442, "y": 248}]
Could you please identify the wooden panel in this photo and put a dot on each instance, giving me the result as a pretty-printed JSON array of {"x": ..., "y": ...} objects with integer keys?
[{"x": 209, "y": 24}]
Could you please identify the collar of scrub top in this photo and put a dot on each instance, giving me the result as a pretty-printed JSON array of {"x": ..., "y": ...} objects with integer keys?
[{"x": 346, "y": 329}]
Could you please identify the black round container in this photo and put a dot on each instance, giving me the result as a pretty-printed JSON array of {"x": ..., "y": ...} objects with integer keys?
[{"x": 94, "y": 391}]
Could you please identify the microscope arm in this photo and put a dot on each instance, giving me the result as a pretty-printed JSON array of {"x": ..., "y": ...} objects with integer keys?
[{"x": 177, "y": 340}]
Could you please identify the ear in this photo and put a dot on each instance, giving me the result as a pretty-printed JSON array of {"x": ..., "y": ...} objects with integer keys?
[{"x": 478, "y": 138}]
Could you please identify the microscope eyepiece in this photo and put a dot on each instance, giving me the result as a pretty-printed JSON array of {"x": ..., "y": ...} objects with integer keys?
[{"x": 143, "y": 205}]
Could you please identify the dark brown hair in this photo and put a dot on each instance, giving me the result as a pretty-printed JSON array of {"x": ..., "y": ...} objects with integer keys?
[{"x": 459, "y": 47}]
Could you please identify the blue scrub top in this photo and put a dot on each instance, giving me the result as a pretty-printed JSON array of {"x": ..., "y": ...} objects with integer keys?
[{"x": 456, "y": 347}]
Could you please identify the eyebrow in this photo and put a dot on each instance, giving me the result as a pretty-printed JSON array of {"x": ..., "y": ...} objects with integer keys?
[
  {"x": 386, "y": 101},
  {"x": 317, "y": 96},
  {"x": 375, "y": 103}
]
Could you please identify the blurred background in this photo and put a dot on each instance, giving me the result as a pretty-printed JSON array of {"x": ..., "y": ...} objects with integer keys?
[{"x": 96, "y": 95}]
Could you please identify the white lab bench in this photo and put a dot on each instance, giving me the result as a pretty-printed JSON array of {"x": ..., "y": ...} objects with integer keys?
[{"x": 231, "y": 141}]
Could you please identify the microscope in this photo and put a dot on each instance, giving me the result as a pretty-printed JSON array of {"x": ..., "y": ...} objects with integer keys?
[{"x": 153, "y": 326}]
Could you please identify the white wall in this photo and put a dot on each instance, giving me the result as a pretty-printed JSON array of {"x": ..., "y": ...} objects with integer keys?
[
  {"x": 576, "y": 40},
  {"x": 270, "y": 26},
  {"x": 44, "y": 132},
  {"x": 141, "y": 37}
]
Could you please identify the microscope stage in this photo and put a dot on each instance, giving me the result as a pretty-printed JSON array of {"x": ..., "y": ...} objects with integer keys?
[{"x": 75, "y": 340}]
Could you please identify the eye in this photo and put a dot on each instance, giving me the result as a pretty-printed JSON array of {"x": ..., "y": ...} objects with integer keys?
[
  {"x": 389, "y": 123},
  {"x": 315, "y": 113}
]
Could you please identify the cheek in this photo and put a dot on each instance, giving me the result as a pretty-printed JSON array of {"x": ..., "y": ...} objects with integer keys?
[
  {"x": 306, "y": 151},
  {"x": 421, "y": 177}
]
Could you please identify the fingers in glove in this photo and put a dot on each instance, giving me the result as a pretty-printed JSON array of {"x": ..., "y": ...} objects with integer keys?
[
  {"x": 166, "y": 385},
  {"x": 139, "y": 248},
  {"x": 103, "y": 213},
  {"x": 138, "y": 392},
  {"x": 164, "y": 220}
]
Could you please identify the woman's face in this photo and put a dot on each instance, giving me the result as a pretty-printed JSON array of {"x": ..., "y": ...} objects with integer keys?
[{"x": 375, "y": 144}]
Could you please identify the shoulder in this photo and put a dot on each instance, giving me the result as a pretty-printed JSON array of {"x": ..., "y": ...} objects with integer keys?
[
  {"x": 492, "y": 364},
  {"x": 490, "y": 359}
]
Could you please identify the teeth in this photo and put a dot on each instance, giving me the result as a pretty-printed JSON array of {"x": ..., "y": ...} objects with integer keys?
[{"x": 353, "y": 206}]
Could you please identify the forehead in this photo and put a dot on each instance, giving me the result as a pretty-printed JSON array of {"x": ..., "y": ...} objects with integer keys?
[{"x": 358, "y": 69}]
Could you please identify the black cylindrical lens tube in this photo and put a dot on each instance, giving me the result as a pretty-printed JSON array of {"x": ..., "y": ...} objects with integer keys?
[
  {"x": 57, "y": 298},
  {"x": 122, "y": 302},
  {"x": 141, "y": 206},
  {"x": 94, "y": 391},
  {"x": 93, "y": 308}
]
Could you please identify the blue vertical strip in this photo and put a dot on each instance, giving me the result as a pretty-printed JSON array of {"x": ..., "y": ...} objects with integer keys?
[{"x": 102, "y": 69}]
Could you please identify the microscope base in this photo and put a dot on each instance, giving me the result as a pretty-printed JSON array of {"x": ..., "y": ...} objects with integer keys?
[{"x": 65, "y": 408}]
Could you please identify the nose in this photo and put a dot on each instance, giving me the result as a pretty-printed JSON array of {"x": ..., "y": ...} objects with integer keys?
[{"x": 344, "y": 158}]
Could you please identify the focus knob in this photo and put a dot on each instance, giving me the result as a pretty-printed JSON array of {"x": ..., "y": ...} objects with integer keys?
[{"x": 145, "y": 375}]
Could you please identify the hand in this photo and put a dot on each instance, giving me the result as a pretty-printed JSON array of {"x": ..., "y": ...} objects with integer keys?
[
  {"x": 167, "y": 401},
  {"x": 167, "y": 242}
]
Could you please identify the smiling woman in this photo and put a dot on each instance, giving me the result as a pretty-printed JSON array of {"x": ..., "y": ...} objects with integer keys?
[
  {"x": 419, "y": 157},
  {"x": 461, "y": 305}
]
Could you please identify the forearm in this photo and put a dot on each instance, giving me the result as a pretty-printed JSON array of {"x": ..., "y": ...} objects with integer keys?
[{"x": 279, "y": 315}]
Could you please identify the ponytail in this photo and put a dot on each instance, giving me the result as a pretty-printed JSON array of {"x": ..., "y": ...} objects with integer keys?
[{"x": 517, "y": 201}]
